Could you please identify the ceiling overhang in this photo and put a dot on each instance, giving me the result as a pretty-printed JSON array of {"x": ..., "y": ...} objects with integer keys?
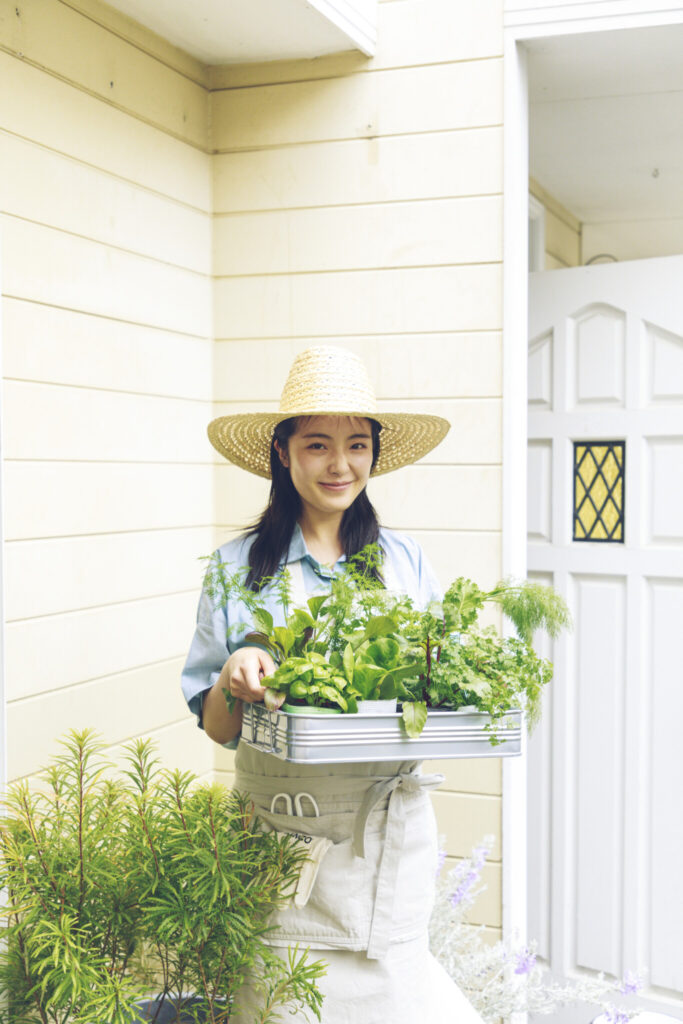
[{"x": 220, "y": 32}]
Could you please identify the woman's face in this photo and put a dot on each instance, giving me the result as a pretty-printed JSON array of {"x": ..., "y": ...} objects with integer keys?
[{"x": 329, "y": 460}]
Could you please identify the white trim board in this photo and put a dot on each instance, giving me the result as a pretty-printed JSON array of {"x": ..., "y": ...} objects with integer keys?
[
  {"x": 3, "y": 704},
  {"x": 356, "y": 20},
  {"x": 557, "y": 18},
  {"x": 515, "y": 319}
]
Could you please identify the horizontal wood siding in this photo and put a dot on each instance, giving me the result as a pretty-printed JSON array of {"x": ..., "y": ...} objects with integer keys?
[
  {"x": 359, "y": 203},
  {"x": 107, "y": 360},
  {"x": 51, "y": 35}
]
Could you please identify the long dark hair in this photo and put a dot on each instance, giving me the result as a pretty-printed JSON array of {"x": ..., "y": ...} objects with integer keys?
[{"x": 274, "y": 528}]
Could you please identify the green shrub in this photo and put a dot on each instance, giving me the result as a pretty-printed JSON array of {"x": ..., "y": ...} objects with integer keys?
[{"x": 146, "y": 884}]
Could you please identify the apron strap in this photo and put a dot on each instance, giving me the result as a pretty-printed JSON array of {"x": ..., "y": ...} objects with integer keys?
[
  {"x": 299, "y": 595},
  {"x": 398, "y": 788}
]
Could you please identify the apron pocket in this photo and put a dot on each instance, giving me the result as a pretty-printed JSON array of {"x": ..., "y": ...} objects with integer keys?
[{"x": 339, "y": 909}]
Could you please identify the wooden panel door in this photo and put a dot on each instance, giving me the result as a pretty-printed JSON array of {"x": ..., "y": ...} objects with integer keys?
[{"x": 606, "y": 766}]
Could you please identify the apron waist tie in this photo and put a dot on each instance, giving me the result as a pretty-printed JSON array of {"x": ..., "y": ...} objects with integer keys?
[{"x": 397, "y": 788}]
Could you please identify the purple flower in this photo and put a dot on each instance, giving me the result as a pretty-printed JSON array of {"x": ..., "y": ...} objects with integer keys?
[
  {"x": 479, "y": 855},
  {"x": 615, "y": 1016},
  {"x": 473, "y": 868},
  {"x": 440, "y": 861},
  {"x": 525, "y": 960},
  {"x": 631, "y": 984}
]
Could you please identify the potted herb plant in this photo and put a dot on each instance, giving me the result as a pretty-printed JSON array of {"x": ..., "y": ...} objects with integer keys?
[
  {"x": 465, "y": 666},
  {"x": 360, "y": 644},
  {"x": 123, "y": 893},
  {"x": 336, "y": 653}
]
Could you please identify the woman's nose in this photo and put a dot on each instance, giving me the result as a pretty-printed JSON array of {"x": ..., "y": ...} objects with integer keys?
[{"x": 338, "y": 462}]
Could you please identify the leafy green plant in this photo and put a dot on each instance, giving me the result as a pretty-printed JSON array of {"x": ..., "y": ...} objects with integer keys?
[
  {"x": 138, "y": 887},
  {"x": 310, "y": 647},
  {"x": 489, "y": 673},
  {"x": 464, "y": 665}
]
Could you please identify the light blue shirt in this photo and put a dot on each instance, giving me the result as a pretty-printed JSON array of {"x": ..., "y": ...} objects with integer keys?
[{"x": 214, "y": 640}]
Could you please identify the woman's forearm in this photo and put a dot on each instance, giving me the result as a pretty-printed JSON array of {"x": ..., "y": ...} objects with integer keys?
[
  {"x": 240, "y": 676},
  {"x": 220, "y": 724}
]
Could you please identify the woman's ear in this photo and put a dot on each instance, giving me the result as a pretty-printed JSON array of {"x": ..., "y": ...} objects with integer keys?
[{"x": 283, "y": 454}]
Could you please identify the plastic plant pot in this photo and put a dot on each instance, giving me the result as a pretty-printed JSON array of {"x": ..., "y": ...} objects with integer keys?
[
  {"x": 377, "y": 707},
  {"x": 309, "y": 709}
]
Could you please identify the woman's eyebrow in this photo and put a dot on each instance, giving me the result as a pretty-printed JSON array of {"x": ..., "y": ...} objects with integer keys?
[{"x": 329, "y": 438}]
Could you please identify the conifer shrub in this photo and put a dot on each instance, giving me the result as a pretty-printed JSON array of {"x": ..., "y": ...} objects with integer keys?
[{"x": 126, "y": 896}]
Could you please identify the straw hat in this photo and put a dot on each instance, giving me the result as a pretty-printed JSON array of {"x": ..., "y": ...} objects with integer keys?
[{"x": 326, "y": 381}]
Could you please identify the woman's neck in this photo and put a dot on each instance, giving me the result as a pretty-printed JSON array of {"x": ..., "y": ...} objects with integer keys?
[{"x": 322, "y": 536}]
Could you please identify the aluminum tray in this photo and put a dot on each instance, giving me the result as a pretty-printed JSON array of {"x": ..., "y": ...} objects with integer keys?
[{"x": 335, "y": 739}]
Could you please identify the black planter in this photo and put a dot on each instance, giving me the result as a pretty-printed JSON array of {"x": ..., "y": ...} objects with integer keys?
[{"x": 168, "y": 1014}]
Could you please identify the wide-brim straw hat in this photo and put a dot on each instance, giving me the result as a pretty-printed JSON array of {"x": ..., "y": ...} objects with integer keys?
[{"x": 327, "y": 381}]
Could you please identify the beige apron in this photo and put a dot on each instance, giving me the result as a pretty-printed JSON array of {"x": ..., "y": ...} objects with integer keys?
[
  {"x": 375, "y": 884},
  {"x": 372, "y": 898}
]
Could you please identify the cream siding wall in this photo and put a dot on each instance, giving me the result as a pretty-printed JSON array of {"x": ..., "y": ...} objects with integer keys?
[
  {"x": 356, "y": 202},
  {"x": 359, "y": 203},
  {"x": 107, "y": 360},
  {"x": 562, "y": 231}
]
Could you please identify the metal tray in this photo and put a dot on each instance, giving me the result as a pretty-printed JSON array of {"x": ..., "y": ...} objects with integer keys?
[{"x": 335, "y": 739}]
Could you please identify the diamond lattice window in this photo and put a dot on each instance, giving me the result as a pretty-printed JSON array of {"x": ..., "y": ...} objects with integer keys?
[{"x": 599, "y": 491}]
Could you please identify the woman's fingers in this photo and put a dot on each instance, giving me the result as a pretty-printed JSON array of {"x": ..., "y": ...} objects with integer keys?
[
  {"x": 268, "y": 666},
  {"x": 251, "y": 682},
  {"x": 249, "y": 665}
]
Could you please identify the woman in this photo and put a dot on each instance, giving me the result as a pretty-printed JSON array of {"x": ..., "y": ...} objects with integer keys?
[{"x": 370, "y": 904}]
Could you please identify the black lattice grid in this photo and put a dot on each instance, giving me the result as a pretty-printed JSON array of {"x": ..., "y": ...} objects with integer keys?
[{"x": 612, "y": 501}]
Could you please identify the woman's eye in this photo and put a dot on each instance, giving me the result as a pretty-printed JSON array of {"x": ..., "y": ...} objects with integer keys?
[{"x": 360, "y": 444}]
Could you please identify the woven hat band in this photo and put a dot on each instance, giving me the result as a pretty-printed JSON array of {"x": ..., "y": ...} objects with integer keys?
[{"x": 324, "y": 380}]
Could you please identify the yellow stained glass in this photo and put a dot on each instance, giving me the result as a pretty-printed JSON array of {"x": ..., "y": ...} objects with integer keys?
[{"x": 599, "y": 491}]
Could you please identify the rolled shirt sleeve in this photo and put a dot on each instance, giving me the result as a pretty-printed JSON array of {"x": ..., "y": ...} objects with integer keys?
[{"x": 208, "y": 653}]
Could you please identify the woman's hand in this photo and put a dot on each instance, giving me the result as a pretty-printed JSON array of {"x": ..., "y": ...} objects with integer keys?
[
  {"x": 241, "y": 677},
  {"x": 243, "y": 671}
]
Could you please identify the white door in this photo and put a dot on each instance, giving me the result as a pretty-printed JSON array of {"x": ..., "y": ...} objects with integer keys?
[{"x": 606, "y": 767}]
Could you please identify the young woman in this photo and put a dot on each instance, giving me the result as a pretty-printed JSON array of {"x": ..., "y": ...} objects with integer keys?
[{"x": 369, "y": 907}]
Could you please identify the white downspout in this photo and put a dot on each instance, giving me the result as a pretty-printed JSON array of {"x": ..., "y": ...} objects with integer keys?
[
  {"x": 515, "y": 320},
  {"x": 3, "y": 707}
]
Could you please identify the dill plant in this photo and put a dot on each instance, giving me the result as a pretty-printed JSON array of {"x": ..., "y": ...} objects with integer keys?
[{"x": 131, "y": 891}]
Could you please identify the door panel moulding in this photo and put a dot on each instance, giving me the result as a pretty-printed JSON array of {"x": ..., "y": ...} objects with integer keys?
[{"x": 525, "y": 21}]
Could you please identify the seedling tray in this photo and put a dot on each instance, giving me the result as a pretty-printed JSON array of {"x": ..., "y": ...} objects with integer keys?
[{"x": 343, "y": 739}]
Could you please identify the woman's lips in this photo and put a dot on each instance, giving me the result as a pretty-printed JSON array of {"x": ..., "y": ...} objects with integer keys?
[{"x": 336, "y": 487}]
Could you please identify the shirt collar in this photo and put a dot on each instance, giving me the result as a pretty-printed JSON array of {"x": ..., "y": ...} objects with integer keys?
[{"x": 299, "y": 552}]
